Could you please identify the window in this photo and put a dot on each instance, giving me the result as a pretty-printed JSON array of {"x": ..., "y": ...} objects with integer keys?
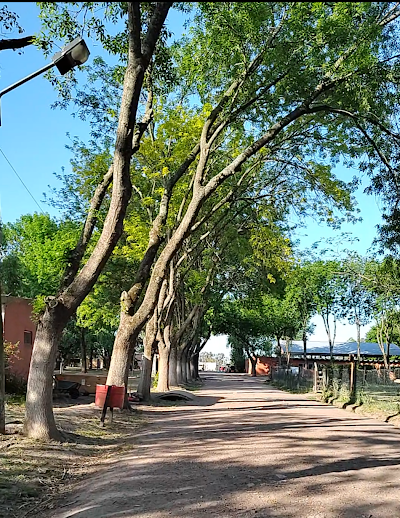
[{"x": 28, "y": 337}]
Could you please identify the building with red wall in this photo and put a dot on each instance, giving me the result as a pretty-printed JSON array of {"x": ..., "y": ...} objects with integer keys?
[{"x": 20, "y": 329}]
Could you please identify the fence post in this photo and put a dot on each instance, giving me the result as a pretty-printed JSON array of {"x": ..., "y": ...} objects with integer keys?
[{"x": 353, "y": 378}]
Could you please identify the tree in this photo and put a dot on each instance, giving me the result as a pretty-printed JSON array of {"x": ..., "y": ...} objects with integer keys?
[
  {"x": 302, "y": 290},
  {"x": 358, "y": 300},
  {"x": 79, "y": 279},
  {"x": 300, "y": 105},
  {"x": 383, "y": 281},
  {"x": 246, "y": 330},
  {"x": 330, "y": 297}
]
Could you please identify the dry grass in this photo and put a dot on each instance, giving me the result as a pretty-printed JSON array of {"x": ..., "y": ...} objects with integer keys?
[{"x": 33, "y": 473}]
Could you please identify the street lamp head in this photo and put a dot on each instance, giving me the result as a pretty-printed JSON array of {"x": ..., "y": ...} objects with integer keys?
[{"x": 73, "y": 54}]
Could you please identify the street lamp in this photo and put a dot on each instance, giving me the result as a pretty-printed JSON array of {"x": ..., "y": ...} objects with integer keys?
[{"x": 73, "y": 54}]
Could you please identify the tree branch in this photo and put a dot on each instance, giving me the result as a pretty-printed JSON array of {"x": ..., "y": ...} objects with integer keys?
[
  {"x": 16, "y": 43},
  {"x": 154, "y": 28}
]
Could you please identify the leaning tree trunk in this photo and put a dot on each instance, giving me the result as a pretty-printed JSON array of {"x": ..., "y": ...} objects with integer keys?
[{"x": 39, "y": 422}]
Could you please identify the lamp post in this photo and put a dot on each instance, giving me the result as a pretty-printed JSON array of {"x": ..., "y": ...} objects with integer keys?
[{"x": 74, "y": 54}]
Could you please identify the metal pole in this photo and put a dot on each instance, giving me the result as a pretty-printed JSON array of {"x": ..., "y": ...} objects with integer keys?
[
  {"x": 27, "y": 78},
  {"x": 24, "y": 80}
]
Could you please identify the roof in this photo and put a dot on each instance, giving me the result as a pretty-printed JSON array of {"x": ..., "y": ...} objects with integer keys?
[{"x": 342, "y": 348}]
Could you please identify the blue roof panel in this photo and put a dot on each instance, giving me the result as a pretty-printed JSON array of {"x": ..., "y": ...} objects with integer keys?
[{"x": 342, "y": 348}]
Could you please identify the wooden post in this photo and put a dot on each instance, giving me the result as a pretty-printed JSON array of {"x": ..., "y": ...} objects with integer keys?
[
  {"x": 353, "y": 374},
  {"x": 106, "y": 404}
]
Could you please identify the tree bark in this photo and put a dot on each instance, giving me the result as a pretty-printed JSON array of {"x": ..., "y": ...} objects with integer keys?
[
  {"x": 16, "y": 43},
  {"x": 147, "y": 361},
  {"x": 194, "y": 366},
  {"x": 120, "y": 356},
  {"x": 173, "y": 366},
  {"x": 39, "y": 418},
  {"x": 183, "y": 358},
  {"x": 163, "y": 384}
]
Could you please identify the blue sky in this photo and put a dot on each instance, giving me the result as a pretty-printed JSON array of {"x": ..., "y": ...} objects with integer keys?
[{"x": 33, "y": 137}]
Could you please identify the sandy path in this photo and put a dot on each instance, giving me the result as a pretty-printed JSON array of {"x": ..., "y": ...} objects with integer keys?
[{"x": 245, "y": 449}]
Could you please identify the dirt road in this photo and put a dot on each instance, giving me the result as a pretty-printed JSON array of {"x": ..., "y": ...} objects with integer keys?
[{"x": 243, "y": 449}]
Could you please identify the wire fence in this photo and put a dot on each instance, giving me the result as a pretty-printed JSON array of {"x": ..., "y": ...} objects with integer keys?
[
  {"x": 293, "y": 379},
  {"x": 372, "y": 387},
  {"x": 346, "y": 383}
]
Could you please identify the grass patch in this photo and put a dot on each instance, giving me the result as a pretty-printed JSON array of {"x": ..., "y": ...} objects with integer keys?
[{"x": 33, "y": 473}]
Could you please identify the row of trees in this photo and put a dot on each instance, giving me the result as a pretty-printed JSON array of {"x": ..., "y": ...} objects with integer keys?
[
  {"x": 355, "y": 290},
  {"x": 205, "y": 151}
]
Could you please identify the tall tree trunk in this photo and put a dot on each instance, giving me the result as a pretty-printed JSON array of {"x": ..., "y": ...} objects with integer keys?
[
  {"x": 83, "y": 351},
  {"x": 279, "y": 350},
  {"x": 253, "y": 366},
  {"x": 163, "y": 384},
  {"x": 91, "y": 358},
  {"x": 39, "y": 418},
  {"x": 187, "y": 366},
  {"x": 184, "y": 379},
  {"x": 147, "y": 361},
  {"x": 119, "y": 365},
  {"x": 173, "y": 366},
  {"x": 358, "y": 326},
  {"x": 305, "y": 347},
  {"x": 194, "y": 366},
  {"x": 179, "y": 377}
]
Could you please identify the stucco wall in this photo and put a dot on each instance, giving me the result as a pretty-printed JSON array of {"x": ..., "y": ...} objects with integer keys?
[{"x": 17, "y": 319}]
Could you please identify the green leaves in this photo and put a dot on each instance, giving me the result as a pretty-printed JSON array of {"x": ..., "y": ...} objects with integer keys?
[{"x": 38, "y": 246}]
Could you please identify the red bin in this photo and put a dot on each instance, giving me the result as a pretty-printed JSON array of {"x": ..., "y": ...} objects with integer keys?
[{"x": 116, "y": 397}]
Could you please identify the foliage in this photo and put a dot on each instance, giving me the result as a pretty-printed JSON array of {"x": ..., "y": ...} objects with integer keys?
[
  {"x": 36, "y": 252},
  {"x": 9, "y": 21}
]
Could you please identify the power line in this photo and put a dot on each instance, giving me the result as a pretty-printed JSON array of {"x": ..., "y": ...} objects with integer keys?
[{"x": 20, "y": 179}]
